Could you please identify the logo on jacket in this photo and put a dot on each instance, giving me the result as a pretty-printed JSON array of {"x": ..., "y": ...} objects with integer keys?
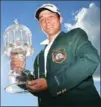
[{"x": 58, "y": 56}]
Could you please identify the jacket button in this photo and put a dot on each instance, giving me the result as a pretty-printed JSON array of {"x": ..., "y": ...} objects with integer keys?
[
  {"x": 64, "y": 90},
  {"x": 59, "y": 92}
]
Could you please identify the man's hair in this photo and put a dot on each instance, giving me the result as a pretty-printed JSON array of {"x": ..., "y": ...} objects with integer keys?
[{"x": 58, "y": 15}]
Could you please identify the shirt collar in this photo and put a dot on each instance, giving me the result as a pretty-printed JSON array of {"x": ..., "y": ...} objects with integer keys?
[{"x": 46, "y": 41}]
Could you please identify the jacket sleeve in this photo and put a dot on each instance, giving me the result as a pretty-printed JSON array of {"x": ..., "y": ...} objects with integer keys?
[
  {"x": 84, "y": 65},
  {"x": 38, "y": 74},
  {"x": 37, "y": 70},
  {"x": 35, "y": 73}
]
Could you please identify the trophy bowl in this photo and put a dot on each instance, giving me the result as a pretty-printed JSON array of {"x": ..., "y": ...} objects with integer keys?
[{"x": 17, "y": 43}]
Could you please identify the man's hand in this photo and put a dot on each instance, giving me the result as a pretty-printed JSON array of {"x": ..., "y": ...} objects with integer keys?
[{"x": 37, "y": 85}]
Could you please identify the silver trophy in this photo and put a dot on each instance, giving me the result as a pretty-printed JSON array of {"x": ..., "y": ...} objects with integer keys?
[{"x": 17, "y": 43}]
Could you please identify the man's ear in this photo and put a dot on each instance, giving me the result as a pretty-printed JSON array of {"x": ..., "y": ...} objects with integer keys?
[{"x": 61, "y": 19}]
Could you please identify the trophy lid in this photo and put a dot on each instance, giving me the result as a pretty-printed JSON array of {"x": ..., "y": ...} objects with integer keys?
[
  {"x": 18, "y": 36},
  {"x": 17, "y": 27}
]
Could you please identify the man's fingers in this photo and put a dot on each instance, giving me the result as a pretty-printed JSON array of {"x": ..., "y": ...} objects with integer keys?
[
  {"x": 36, "y": 85},
  {"x": 34, "y": 88},
  {"x": 31, "y": 83}
]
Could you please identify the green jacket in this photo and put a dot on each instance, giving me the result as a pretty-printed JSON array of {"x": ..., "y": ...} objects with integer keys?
[{"x": 71, "y": 62}]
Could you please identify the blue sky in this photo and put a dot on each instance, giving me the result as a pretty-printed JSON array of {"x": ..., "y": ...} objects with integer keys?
[{"x": 75, "y": 14}]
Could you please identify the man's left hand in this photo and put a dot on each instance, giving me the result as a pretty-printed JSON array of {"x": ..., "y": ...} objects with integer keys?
[{"x": 37, "y": 85}]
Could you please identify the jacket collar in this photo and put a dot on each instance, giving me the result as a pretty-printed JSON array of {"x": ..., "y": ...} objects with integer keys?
[{"x": 46, "y": 41}]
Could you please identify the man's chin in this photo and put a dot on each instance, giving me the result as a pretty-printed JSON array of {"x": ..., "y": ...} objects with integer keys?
[{"x": 51, "y": 33}]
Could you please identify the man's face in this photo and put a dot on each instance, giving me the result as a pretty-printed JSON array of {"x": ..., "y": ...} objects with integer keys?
[{"x": 49, "y": 22}]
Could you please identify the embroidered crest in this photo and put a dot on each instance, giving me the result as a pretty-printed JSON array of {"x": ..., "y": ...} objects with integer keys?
[{"x": 58, "y": 56}]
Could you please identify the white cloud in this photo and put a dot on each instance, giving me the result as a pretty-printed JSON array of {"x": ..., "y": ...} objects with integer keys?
[
  {"x": 89, "y": 20},
  {"x": 96, "y": 79},
  {"x": 97, "y": 84}
]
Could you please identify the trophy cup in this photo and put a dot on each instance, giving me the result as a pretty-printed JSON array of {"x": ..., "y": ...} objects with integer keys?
[{"x": 17, "y": 43}]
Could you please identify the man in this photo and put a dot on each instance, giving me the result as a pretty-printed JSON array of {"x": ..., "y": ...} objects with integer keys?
[{"x": 63, "y": 70}]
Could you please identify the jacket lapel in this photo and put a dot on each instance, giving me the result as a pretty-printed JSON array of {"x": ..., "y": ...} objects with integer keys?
[
  {"x": 49, "y": 56},
  {"x": 41, "y": 64}
]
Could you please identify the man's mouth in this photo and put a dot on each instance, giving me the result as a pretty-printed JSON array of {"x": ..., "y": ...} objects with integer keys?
[{"x": 49, "y": 27}]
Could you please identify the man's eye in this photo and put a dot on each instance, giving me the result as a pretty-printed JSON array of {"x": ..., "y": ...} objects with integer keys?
[
  {"x": 51, "y": 16},
  {"x": 42, "y": 20}
]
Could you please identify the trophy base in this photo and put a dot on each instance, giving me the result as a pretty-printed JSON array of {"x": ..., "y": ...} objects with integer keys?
[{"x": 17, "y": 88}]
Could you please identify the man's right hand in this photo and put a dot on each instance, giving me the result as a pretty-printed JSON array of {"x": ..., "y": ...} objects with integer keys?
[{"x": 37, "y": 85}]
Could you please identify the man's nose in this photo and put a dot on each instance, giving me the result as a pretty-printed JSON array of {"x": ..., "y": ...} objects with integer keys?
[{"x": 47, "y": 20}]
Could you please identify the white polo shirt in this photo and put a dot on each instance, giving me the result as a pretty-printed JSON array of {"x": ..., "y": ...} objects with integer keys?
[{"x": 46, "y": 52}]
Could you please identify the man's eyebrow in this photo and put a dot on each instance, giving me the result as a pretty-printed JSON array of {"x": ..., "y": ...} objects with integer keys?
[{"x": 40, "y": 17}]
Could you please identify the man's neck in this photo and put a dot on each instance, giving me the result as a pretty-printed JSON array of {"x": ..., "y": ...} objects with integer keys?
[{"x": 52, "y": 37}]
